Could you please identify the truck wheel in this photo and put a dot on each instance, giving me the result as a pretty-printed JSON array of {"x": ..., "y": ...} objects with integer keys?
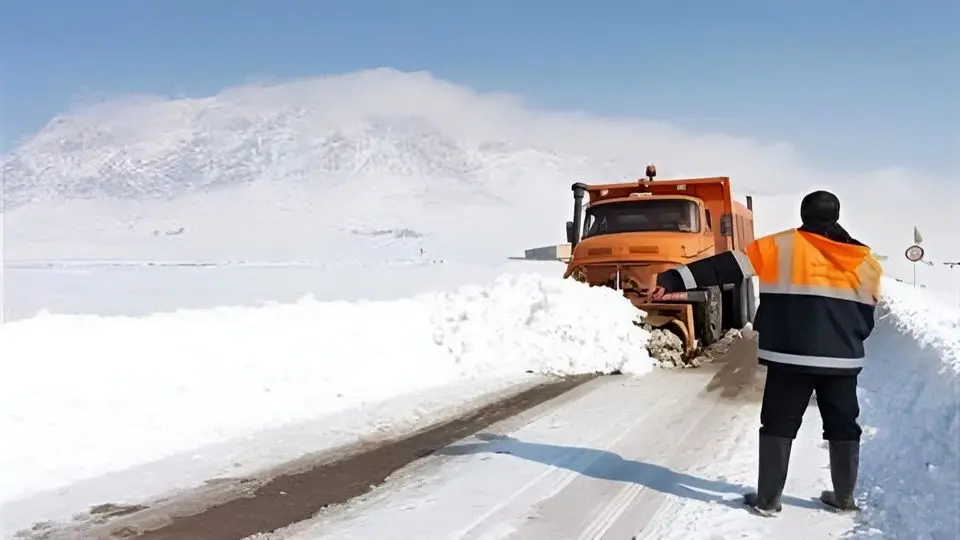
[
  {"x": 709, "y": 317},
  {"x": 737, "y": 305}
]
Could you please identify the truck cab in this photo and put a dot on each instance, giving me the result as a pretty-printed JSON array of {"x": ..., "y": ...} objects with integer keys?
[{"x": 662, "y": 220}]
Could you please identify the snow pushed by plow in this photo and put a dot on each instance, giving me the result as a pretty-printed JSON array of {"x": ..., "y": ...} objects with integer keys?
[
  {"x": 89, "y": 395},
  {"x": 565, "y": 329}
]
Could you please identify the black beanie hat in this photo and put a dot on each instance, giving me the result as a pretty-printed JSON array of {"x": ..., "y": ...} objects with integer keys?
[{"x": 820, "y": 207}]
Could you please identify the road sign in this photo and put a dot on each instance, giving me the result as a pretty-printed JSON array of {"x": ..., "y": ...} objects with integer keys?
[{"x": 914, "y": 253}]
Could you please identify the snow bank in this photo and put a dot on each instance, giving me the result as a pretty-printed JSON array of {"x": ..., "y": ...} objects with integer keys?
[
  {"x": 85, "y": 395},
  {"x": 910, "y": 393}
]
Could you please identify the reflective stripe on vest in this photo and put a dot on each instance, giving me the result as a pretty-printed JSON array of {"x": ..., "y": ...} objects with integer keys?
[
  {"x": 811, "y": 361},
  {"x": 784, "y": 285}
]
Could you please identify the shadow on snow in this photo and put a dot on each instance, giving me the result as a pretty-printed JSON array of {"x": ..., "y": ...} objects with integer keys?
[{"x": 606, "y": 465}]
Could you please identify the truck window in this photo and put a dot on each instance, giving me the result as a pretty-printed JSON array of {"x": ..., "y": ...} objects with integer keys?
[{"x": 642, "y": 215}]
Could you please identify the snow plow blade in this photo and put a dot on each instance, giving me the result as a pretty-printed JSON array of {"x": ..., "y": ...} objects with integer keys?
[{"x": 674, "y": 318}]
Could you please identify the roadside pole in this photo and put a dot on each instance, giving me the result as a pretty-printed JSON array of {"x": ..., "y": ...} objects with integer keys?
[{"x": 914, "y": 254}]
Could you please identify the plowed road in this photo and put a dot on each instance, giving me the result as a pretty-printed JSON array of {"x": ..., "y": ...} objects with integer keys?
[
  {"x": 663, "y": 456},
  {"x": 667, "y": 455}
]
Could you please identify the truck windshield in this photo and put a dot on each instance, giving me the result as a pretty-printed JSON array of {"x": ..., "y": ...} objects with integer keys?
[{"x": 642, "y": 215}]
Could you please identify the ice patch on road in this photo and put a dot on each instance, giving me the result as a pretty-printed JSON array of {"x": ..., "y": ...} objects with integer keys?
[
  {"x": 83, "y": 396},
  {"x": 910, "y": 394}
]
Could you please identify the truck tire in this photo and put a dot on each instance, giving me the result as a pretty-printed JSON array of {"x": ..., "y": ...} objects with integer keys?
[
  {"x": 708, "y": 317},
  {"x": 738, "y": 305}
]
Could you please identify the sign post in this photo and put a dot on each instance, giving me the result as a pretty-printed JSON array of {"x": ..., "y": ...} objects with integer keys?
[{"x": 914, "y": 254}]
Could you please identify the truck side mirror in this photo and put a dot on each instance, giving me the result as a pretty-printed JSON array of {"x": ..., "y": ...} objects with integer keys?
[
  {"x": 726, "y": 225},
  {"x": 569, "y": 232}
]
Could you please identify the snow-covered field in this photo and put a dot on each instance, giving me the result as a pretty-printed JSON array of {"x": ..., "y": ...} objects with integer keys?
[
  {"x": 137, "y": 288},
  {"x": 122, "y": 392}
]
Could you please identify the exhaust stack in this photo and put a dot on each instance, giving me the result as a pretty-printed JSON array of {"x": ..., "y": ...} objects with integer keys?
[{"x": 578, "y": 190}]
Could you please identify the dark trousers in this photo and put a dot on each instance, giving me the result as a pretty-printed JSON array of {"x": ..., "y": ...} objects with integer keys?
[{"x": 787, "y": 393}]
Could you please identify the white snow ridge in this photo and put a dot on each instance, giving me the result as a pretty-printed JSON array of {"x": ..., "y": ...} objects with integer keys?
[{"x": 910, "y": 472}]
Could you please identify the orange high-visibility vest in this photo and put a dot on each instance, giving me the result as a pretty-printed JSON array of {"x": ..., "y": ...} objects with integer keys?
[{"x": 817, "y": 300}]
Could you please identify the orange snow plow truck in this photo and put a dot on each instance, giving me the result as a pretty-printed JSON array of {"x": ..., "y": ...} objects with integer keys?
[{"x": 629, "y": 236}]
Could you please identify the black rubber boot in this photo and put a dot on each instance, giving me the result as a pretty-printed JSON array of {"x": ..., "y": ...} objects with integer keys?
[
  {"x": 772, "y": 476},
  {"x": 844, "y": 465}
]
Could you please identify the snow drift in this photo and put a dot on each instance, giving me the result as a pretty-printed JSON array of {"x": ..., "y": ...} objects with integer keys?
[
  {"x": 88, "y": 395},
  {"x": 910, "y": 467}
]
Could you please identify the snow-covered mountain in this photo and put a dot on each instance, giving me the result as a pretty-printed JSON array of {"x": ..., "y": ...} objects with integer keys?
[
  {"x": 371, "y": 123},
  {"x": 300, "y": 132},
  {"x": 297, "y": 169}
]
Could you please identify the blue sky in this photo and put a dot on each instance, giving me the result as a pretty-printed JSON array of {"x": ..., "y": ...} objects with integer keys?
[{"x": 852, "y": 84}]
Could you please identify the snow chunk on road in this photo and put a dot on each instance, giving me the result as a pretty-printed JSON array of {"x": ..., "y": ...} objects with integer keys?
[
  {"x": 910, "y": 394},
  {"x": 82, "y": 396}
]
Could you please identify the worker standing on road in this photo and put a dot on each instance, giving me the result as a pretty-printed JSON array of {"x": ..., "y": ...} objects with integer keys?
[{"x": 818, "y": 292}]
